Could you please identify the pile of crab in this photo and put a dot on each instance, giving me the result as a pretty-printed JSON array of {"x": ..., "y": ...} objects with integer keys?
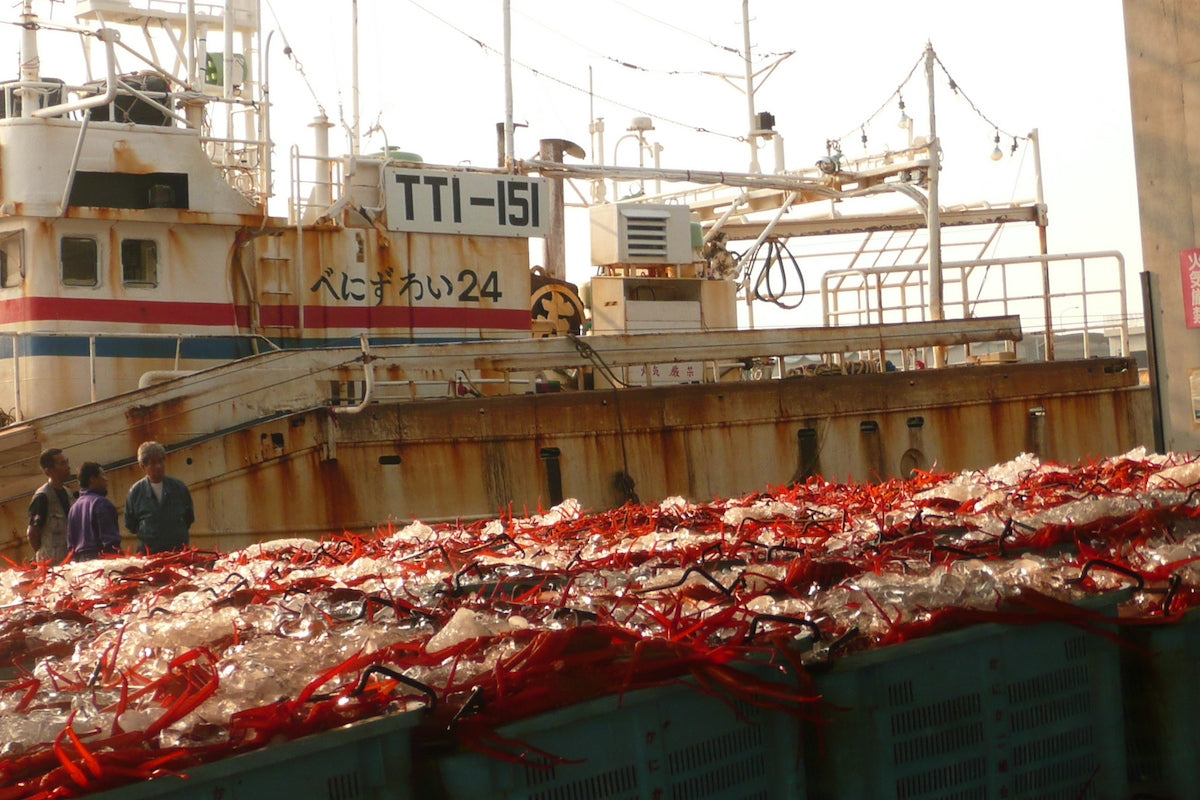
[{"x": 125, "y": 668}]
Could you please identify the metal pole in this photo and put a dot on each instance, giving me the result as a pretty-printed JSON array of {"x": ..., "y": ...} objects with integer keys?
[
  {"x": 555, "y": 241},
  {"x": 30, "y": 61},
  {"x": 265, "y": 176},
  {"x": 322, "y": 168},
  {"x": 191, "y": 43},
  {"x": 596, "y": 129},
  {"x": 751, "y": 138},
  {"x": 227, "y": 37},
  {"x": 508, "y": 90},
  {"x": 1042, "y": 245},
  {"x": 17, "y": 378},
  {"x": 354, "y": 80},
  {"x": 933, "y": 218}
]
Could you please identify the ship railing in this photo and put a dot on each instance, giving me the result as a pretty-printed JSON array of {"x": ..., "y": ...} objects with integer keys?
[
  {"x": 243, "y": 161},
  {"x": 1070, "y": 304},
  {"x": 627, "y": 360},
  {"x": 45, "y": 93},
  {"x": 316, "y": 186},
  {"x": 243, "y": 10},
  {"x": 12, "y": 343},
  {"x": 134, "y": 103}
]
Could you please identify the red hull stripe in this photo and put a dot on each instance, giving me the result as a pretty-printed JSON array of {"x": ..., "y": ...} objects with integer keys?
[{"x": 223, "y": 315}]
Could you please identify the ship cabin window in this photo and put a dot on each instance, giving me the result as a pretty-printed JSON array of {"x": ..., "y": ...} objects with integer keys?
[
  {"x": 139, "y": 262},
  {"x": 12, "y": 264},
  {"x": 80, "y": 257}
]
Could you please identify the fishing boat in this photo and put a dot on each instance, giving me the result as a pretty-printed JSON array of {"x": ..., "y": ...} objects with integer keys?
[{"x": 396, "y": 347}]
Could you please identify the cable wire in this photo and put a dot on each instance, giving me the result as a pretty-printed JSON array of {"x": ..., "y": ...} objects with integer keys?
[
  {"x": 296, "y": 64},
  {"x": 775, "y": 269},
  {"x": 556, "y": 79}
]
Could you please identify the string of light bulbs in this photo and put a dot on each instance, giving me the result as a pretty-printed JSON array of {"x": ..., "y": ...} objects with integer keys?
[
  {"x": 954, "y": 87},
  {"x": 898, "y": 95}
]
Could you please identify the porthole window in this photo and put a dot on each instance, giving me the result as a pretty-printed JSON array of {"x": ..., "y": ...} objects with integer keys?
[
  {"x": 139, "y": 262},
  {"x": 80, "y": 258}
]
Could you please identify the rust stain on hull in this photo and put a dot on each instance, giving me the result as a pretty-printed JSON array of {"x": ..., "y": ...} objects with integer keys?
[{"x": 302, "y": 474}]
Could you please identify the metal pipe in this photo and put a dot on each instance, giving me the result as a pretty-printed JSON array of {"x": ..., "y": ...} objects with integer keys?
[
  {"x": 509, "y": 158},
  {"x": 264, "y": 118},
  {"x": 30, "y": 60},
  {"x": 711, "y": 233},
  {"x": 936, "y": 310},
  {"x": 109, "y": 37},
  {"x": 16, "y": 342},
  {"x": 66, "y": 195},
  {"x": 752, "y": 136},
  {"x": 227, "y": 56},
  {"x": 739, "y": 179},
  {"x": 299, "y": 246},
  {"x": 770, "y": 226},
  {"x": 323, "y": 189},
  {"x": 555, "y": 240},
  {"x": 92, "y": 364},
  {"x": 1043, "y": 246},
  {"x": 368, "y": 381},
  {"x": 156, "y": 376},
  {"x": 933, "y": 219},
  {"x": 190, "y": 34},
  {"x": 354, "y": 121}
]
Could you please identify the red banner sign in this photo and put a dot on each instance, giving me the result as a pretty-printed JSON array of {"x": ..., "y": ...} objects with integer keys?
[{"x": 1189, "y": 265}]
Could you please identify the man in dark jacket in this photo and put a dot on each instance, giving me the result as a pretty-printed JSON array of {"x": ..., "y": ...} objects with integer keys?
[
  {"x": 92, "y": 526},
  {"x": 159, "y": 509},
  {"x": 47, "y": 531}
]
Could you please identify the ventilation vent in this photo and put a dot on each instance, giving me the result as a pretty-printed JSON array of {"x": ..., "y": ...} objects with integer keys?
[
  {"x": 641, "y": 234},
  {"x": 646, "y": 236}
]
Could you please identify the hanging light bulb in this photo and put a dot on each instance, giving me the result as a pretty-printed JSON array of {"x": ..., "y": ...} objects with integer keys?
[
  {"x": 904, "y": 120},
  {"x": 997, "y": 154}
]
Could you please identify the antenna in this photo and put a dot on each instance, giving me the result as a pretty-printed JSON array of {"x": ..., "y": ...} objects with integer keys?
[
  {"x": 508, "y": 90},
  {"x": 354, "y": 113},
  {"x": 754, "y": 167},
  {"x": 756, "y": 121}
]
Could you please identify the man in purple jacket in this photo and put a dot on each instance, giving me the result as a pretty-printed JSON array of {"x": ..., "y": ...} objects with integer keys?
[{"x": 92, "y": 527}]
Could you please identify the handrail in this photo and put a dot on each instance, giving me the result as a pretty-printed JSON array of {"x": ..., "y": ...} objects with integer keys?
[
  {"x": 368, "y": 381},
  {"x": 110, "y": 37},
  {"x": 179, "y": 338},
  {"x": 518, "y": 358},
  {"x": 900, "y": 294}
]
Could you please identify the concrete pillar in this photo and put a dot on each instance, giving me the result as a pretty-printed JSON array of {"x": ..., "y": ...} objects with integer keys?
[{"x": 1162, "y": 39}]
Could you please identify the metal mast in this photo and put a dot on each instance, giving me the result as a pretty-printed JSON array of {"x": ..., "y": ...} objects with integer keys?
[
  {"x": 753, "y": 122},
  {"x": 508, "y": 90},
  {"x": 933, "y": 219}
]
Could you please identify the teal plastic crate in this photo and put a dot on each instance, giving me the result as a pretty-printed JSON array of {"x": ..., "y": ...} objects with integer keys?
[
  {"x": 368, "y": 760},
  {"x": 990, "y": 711},
  {"x": 672, "y": 742},
  {"x": 1161, "y": 675}
]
